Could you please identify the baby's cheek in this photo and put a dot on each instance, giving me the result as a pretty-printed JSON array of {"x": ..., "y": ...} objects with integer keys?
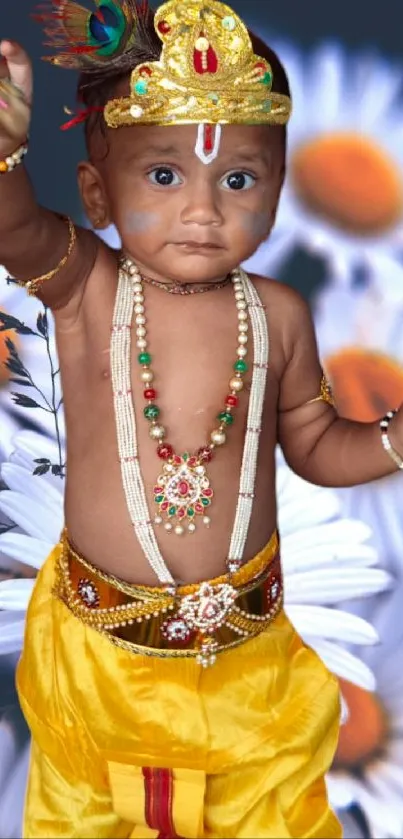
[
  {"x": 254, "y": 224},
  {"x": 140, "y": 222}
]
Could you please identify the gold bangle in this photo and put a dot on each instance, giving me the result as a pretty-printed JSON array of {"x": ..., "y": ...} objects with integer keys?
[
  {"x": 326, "y": 394},
  {"x": 32, "y": 286}
]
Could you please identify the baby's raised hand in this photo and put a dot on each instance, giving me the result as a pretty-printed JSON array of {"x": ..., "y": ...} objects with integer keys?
[{"x": 15, "y": 97}]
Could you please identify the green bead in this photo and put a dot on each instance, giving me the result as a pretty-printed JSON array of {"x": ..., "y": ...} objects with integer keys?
[
  {"x": 241, "y": 366},
  {"x": 172, "y": 511},
  {"x": 226, "y": 417},
  {"x": 205, "y": 502},
  {"x": 151, "y": 412},
  {"x": 186, "y": 456},
  {"x": 158, "y": 499},
  {"x": 267, "y": 106},
  {"x": 191, "y": 512},
  {"x": 144, "y": 358}
]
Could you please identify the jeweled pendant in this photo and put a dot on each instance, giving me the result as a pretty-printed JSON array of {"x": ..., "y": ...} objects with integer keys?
[{"x": 182, "y": 495}]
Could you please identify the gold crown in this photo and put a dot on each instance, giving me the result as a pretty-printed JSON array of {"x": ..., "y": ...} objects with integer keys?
[{"x": 207, "y": 73}]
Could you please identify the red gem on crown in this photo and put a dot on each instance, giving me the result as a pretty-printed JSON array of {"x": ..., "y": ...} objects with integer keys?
[{"x": 164, "y": 27}]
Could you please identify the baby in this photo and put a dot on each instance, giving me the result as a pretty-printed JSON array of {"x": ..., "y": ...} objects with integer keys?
[{"x": 180, "y": 375}]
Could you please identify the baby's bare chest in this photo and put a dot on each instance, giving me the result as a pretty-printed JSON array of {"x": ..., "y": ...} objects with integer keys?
[{"x": 193, "y": 351}]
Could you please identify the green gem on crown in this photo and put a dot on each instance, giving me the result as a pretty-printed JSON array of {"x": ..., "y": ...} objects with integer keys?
[
  {"x": 228, "y": 23},
  {"x": 151, "y": 412},
  {"x": 226, "y": 417},
  {"x": 191, "y": 512},
  {"x": 158, "y": 499},
  {"x": 266, "y": 79},
  {"x": 141, "y": 87},
  {"x": 144, "y": 358},
  {"x": 172, "y": 511},
  {"x": 241, "y": 366}
]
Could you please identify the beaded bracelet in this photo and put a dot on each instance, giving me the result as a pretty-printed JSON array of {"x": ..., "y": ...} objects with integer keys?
[
  {"x": 387, "y": 445},
  {"x": 32, "y": 286},
  {"x": 13, "y": 159}
]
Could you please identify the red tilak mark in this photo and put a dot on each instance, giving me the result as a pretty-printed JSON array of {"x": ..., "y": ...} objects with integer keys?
[{"x": 208, "y": 138}]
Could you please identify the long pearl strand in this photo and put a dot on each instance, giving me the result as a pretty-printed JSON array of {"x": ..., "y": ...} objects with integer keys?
[
  {"x": 255, "y": 411},
  {"x": 128, "y": 288}
]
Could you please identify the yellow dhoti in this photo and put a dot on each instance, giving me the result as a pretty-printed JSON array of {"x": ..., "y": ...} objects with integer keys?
[{"x": 132, "y": 741}]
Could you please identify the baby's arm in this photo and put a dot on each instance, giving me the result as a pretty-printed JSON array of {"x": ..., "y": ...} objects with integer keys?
[
  {"x": 319, "y": 445},
  {"x": 34, "y": 240}
]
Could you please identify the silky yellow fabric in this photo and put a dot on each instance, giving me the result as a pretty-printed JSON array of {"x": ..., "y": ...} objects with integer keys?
[{"x": 248, "y": 740}]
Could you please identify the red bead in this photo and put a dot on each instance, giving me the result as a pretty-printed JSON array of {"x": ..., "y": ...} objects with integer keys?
[
  {"x": 146, "y": 71},
  {"x": 205, "y": 454},
  {"x": 183, "y": 488},
  {"x": 232, "y": 401},
  {"x": 164, "y": 27},
  {"x": 150, "y": 393},
  {"x": 165, "y": 451}
]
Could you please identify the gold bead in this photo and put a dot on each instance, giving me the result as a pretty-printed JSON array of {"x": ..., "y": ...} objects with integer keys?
[
  {"x": 236, "y": 384},
  {"x": 218, "y": 437},
  {"x": 146, "y": 376}
]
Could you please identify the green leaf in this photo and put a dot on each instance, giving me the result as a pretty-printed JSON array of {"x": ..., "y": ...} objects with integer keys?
[
  {"x": 25, "y": 401},
  {"x": 10, "y": 322}
]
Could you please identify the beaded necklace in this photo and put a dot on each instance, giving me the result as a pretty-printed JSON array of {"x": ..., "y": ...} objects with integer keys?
[
  {"x": 186, "y": 288},
  {"x": 207, "y": 607}
]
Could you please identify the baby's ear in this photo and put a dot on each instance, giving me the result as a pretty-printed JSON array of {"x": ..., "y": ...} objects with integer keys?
[{"x": 93, "y": 195}]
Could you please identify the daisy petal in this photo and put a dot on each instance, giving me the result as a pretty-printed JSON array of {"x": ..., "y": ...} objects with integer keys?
[
  {"x": 342, "y": 663},
  {"x": 332, "y": 624},
  {"x": 15, "y": 594}
]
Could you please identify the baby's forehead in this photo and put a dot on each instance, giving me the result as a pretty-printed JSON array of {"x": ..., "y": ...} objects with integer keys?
[{"x": 250, "y": 142}]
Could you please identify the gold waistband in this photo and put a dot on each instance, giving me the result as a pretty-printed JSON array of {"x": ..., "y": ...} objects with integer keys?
[{"x": 198, "y": 620}]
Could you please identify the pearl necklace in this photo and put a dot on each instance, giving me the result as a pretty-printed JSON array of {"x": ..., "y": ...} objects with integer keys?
[{"x": 130, "y": 288}]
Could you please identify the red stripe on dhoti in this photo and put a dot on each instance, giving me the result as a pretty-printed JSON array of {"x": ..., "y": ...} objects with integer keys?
[{"x": 158, "y": 785}]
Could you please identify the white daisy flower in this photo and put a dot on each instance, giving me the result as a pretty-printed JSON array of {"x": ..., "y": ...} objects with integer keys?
[
  {"x": 36, "y": 350},
  {"x": 360, "y": 337},
  {"x": 343, "y": 196},
  {"x": 368, "y": 772}
]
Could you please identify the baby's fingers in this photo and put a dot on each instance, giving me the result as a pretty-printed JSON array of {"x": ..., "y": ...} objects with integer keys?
[{"x": 19, "y": 67}]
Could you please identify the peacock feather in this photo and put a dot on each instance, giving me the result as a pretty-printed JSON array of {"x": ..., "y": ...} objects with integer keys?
[{"x": 83, "y": 38}]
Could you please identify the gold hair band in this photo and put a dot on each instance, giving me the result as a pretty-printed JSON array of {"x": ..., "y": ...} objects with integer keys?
[
  {"x": 33, "y": 286},
  {"x": 326, "y": 394}
]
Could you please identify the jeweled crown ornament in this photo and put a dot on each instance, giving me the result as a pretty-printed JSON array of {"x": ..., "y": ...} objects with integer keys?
[{"x": 207, "y": 73}]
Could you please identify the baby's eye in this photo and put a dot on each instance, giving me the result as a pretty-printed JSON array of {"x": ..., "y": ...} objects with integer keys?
[
  {"x": 238, "y": 180},
  {"x": 164, "y": 176}
]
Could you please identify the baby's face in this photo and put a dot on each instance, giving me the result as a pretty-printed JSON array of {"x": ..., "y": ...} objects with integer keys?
[{"x": 179, "y": 218}]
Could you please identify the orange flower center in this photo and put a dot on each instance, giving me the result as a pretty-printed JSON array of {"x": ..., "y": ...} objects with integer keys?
[
  {"x": 350, "y": 181},
  {"x": 365, "y": 383},
  {"x": 4, "y": 373},
  {"x": 364, "y": 734}
]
